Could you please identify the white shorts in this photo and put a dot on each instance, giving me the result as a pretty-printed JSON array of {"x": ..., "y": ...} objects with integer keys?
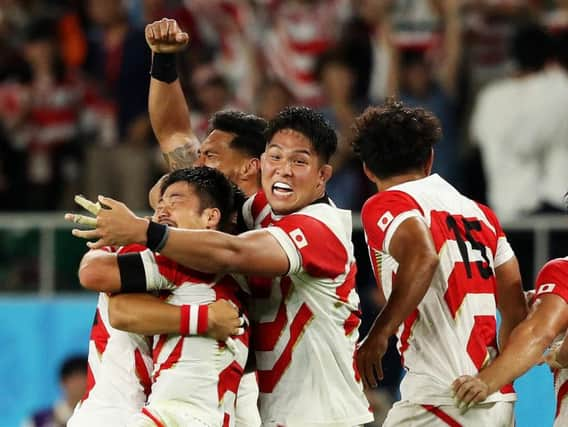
[
  {"x": 495, "y": 414},
  {"x": 246, "y": 413},
  {"x": 167, "y": 416},
  {"x": 92, "y": 415}
]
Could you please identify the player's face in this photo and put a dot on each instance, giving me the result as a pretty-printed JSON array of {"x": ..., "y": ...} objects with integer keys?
[
  {"x": 292, "y": 173},
  {"x": 180, "y": 207},
  {"x": 216, "y": 152}
]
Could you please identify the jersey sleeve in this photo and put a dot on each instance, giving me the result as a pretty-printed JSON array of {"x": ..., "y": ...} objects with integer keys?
[
  {"x": 161, "y": 273},
  {"x": 504, "y": 251},
  {"x": 254, "y": 208},
  {"x": 310, "y": 246},
  {"x": 383, "y": 213},
  {"x": 553, "y": 279}
]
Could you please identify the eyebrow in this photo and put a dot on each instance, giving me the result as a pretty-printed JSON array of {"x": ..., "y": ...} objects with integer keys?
[{"x": 300, "y": 151}]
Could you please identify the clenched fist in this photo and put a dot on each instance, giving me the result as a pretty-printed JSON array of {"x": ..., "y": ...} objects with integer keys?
[{"x": 165, "y": 36}]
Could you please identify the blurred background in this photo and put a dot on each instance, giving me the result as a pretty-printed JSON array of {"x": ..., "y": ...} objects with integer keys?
[{"x": 74, "y": 78}]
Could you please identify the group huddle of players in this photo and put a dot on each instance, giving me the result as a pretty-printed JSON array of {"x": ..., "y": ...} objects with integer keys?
[{"x": 223, "y": 312}]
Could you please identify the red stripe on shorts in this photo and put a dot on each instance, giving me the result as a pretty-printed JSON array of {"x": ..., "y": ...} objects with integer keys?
[
  {"x": 152, "y": 417},
  {"x": 442, "y": 415}
]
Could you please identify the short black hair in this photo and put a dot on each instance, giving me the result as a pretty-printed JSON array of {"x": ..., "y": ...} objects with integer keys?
[
  {"x": 213, "y": 189},
  {"x": 561, "y": 48},
  {"x": 531, "y": 47},
  {"x": 393, "y": 139},
  {"x": 72, "y": 365},
  {"x": 248, "y": 128},
  {"x": 309, "y": 123}
]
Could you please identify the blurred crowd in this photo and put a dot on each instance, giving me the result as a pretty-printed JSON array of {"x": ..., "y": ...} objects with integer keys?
[{"x": 74, "y": 79}]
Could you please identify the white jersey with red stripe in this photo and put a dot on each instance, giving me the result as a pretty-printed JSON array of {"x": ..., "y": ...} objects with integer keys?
[
  {"x": 118, "y": 373},
  {"x": 553, "y": 279},
  {"x": 305, "y": 323},
  {"x": 194, "y": 377},
  {"x": 453, "y": 331}
]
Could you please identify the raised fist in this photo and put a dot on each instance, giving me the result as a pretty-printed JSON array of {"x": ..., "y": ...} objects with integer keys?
[{"x": 165, "y": 36}]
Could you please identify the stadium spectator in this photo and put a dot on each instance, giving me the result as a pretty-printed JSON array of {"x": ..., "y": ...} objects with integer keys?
[
  {"x": 431, "y": 83},
  {"x": 546, "y": 323},
  {"x": 506, "y": 118},
  {"x": 73, "y": 381},
  {"x": 444, "y": 265},
  {"x": 340, "y": 107},
  {"x": 118, "y": 62},
  {"x": 304, "y": 243},
  {"x": 272, "y": 98}
]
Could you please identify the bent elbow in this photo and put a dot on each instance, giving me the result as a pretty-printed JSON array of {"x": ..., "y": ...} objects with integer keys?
[{"x": 89, "y": 278}]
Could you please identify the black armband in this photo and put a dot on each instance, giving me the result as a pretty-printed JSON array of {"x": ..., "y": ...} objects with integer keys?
[
  {"x": 156, "y": 236},
  {"x": 164, "y": 67},
  {"x": 132, "y": 274}
]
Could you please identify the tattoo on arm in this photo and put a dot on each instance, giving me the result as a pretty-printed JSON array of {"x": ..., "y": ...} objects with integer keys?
[{"x": 181, "y": 157}]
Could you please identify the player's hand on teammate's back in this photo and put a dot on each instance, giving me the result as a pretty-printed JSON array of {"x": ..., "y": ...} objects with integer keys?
[
  {"x": 369, "y": 358},
  {"x": 223, "y": 320},
  {"x": 469, "y": 390},
  {"x": 116, "y": 225},
  {"x": 165, "y": 36}
]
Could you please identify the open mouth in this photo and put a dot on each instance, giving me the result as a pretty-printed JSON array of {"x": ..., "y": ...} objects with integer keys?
[{"x": 282, "y": 189}]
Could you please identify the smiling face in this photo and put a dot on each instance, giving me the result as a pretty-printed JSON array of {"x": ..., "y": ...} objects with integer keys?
[
  {"x": 293, "y": 175},
  {"x": 180, "y": 207},
  {"x": 216, "y": 152}
]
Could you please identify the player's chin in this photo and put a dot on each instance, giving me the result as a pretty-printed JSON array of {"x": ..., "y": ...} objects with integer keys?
[{"x": 282, "y": 207}]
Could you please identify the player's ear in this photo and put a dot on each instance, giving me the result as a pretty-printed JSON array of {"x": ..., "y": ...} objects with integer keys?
[
  {"x": 325, "y": 173},
  {"x": 250, "y": 168},
  {"x": 211, "y": 217}
]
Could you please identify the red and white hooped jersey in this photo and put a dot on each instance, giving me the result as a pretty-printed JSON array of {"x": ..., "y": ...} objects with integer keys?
[
  {"x": 553, "y": 279},
  {"x": 118, "y": 375},
  {"x": 305, "y": 324},
  {"x": 452, "y": 332},
  {"x": 194, "y": 374}
]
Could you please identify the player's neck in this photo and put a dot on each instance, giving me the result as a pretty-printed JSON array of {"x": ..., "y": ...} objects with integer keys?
[{"x": 385, "y": 184}]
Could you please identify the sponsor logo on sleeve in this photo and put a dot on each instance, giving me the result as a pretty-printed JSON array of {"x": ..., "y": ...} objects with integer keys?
[
  {"x": 298, "y": 237},
  {"x": 385, "y": 220},
  {"x": 546, "y": 288}
]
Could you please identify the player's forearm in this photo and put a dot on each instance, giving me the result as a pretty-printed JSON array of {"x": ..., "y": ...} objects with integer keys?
[
  {"x": 524, "y": 349},
  {"x": 99, "y": 272},
  {"x": 169, "y": 116},
  {"x": 143, "y": 314},
  {"x": 204, "y": 250},
  {"x": 410, "y": 286}
]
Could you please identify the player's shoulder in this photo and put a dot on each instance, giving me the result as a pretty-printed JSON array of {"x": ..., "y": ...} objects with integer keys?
[
  {"x": 392, "y": 201},
  {"x": 132, "y": 248},
  {"x": 319, "y": 219},
  {"x": 555, "y": 268}
]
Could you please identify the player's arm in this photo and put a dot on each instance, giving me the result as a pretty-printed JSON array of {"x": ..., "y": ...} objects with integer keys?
[
  {"x": 148, "y": 315},
  {"x": 511, "y": 301},
  {"x": 525, "y": 348},
  {"x": 169, "y": 113},
  {"x": 99, "y": 272},
  {"x": 413, "y": 248}
]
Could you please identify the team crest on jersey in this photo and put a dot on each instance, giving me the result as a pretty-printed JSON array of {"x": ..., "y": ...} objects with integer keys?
[
  {"x": 546, "y": 288},
  {"x": 385, "y": 220},
  {"x": 298, "y": 237}
]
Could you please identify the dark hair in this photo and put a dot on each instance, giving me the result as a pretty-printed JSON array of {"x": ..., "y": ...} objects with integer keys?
[
  {"x": 73, "y": 365},
  {"x": 309, "y": 123},
  {"x": 531, "y": 47},
  {"x": 334, "y": 56},
  {"x": 248, "y": 128},
  {"x": 393, "y": 139},
  {"x": 213, "y": 189},
  {"x": 561, "y": 48}
]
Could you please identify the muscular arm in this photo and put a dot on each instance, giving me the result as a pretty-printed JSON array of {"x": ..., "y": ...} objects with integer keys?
[
  {"x": 99, "y": 272},
  {"x": 510, "y": 298},
  {"x": 169, "y": 116},
  {"x": 414, "y": 250},
  {"x": 254, "y": 253},
  {"x": 412, "y": 247},
  {"x": 525, "y": 347},
  {"x": 143, "y": 314}
]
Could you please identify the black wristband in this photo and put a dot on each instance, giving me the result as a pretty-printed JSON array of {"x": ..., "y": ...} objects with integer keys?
[
  {"x": 164, "y": 67},
  {"x": 132, "y": 274},
  {"x": 156, "y": 236}
]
